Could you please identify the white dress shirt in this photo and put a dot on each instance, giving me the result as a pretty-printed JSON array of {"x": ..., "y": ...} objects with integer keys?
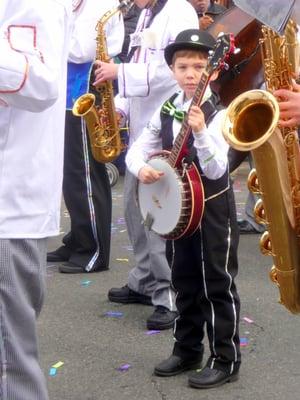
[{"x": 210, "y": 144}]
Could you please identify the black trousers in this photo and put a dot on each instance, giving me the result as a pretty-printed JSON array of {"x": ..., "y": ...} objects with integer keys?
[
  {"x": 204, "y": 266},
  {"x": 87, "y": 195}
]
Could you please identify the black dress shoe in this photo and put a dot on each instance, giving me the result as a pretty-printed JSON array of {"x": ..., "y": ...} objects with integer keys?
[
  {"x": 59, "y": 255},
  {"x": 127, "y": 296},
  {"x": 161, "y": 319},
  {"x": 210, "y": 378},
  {"x": 175, "y": 365},
  {"x": 71, "y": 268},
  {"x": 246, "y": 228}
]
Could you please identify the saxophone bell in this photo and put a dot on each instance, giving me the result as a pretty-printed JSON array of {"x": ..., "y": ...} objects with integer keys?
[{"x": 250, "y": 124}]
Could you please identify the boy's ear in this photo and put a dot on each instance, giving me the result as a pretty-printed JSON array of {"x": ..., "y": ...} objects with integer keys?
[{"x": 214, "y": 76}]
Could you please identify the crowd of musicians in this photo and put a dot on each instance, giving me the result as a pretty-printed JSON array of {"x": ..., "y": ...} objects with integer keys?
[{"x": 159, "y": 51}]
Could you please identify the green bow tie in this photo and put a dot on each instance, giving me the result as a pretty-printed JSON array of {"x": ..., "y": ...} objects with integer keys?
[{"x": 169, "y": 109}]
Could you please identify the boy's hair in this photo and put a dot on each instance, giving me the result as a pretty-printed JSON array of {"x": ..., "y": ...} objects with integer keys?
[{"x": 189, "y": 53}]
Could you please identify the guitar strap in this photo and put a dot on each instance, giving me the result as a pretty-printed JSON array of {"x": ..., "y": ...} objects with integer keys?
[{"x": 210, "y": 107}]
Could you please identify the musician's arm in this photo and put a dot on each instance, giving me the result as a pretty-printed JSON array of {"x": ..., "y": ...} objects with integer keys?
[
  {"x": 146, "y": 144},
  {"x": 212, "y": 149}
]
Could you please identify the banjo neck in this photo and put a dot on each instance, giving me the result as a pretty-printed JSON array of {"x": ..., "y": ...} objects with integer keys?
[{"x": 180, "y": 149}]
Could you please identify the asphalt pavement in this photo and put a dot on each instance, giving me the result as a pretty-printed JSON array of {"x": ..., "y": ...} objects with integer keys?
[{"x": 91, "y": 349}]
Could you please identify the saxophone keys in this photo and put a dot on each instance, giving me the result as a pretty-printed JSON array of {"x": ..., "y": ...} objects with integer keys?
[
  {"x": 252, "y": 182},
  {"x": 266, "y": 244},
  {"x": 260, "y": 213}
]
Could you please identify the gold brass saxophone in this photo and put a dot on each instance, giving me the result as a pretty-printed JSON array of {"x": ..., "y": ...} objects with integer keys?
[
  {"x": 102, "y": 123},
  {"x": 251, "y": 124}
]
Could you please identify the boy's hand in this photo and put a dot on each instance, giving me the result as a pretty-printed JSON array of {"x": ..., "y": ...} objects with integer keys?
[
  {"x": 196, "y": 119},
  {"x": 289, "y": 105},
  {"x": 148, "y": 174},
  {"x": 105, "y": 72},
  {"x": 205, "y": 21}
]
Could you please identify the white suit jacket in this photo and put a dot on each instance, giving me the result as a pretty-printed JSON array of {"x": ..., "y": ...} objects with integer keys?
[{"x": 34, "y": 40}]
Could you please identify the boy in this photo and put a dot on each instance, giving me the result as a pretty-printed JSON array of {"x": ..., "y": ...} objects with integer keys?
[
  {"x": 203, "y": 265},
  {"x": 207, "y": 11}
]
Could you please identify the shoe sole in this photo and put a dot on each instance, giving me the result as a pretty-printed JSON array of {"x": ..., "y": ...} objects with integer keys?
[
  {"x": 126, "y": 300},
  {"x": 158, "y": 372},
  {"x": 231, "y": 378},
  {"x": 162, "y": 327}
]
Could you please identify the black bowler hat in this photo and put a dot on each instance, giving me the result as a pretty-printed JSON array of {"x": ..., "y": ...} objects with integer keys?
[{"x": 190, "y": 39}]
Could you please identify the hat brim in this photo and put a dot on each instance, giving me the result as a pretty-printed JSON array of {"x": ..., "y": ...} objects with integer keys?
[{"x": 171, "y": 49}]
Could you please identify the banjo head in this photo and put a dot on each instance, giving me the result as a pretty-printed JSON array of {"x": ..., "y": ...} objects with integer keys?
[{"x": 162, "y": 200}]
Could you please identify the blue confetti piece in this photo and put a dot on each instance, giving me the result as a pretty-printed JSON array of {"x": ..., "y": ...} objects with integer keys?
[
  {"x": 244, "y": 341},
  {"x": 116, "y": 314},
  {"x": 85, "y": 283},
  {"x": 52, "y": 371}
]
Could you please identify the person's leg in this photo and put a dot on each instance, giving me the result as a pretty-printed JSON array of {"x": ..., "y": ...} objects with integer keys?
[
  {"x": 189, "y": 326},
  {"x": 22, "y": 289},
  {"x": 87, "y": 195},
  {"x": 220, "y": 305}
]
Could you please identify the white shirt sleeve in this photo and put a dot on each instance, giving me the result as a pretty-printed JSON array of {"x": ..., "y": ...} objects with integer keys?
[
  {"x": 30, "y": 63},
  {"x": 83, "y": 41},
  {"x": 146, "y": 144},
  {"x": 212, "y": 148}
]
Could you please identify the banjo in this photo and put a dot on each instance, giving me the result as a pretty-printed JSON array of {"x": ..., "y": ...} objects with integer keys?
[{"x": 173, "y": 206}]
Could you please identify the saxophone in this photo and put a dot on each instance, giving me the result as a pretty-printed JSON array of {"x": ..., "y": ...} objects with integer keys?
[
  {"x": 102, "y": 123},
  {"x": 251, "y": 124}
]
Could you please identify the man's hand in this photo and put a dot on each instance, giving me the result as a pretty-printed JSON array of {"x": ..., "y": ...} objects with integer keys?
[
  {"x": 105, "y": 72},
  {"x": 289, "y": 105},
  {"x": 148, "y": 174}
]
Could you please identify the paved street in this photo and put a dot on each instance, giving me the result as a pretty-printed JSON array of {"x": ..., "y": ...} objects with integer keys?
[{"x": 109, "y": 355}]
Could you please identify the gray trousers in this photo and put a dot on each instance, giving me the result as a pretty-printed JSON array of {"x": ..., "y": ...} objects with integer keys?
[
  {"x": 152, "y": 275},
  {"x": 22, "y": 289}
]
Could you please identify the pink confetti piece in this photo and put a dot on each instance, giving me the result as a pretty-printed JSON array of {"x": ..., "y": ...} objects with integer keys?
[
  {"x": 249, "y": 320},
  {"x": 124, "y": 367},
  {"x": 152, "y": 332},
  {"x": 244, "y": 342}
]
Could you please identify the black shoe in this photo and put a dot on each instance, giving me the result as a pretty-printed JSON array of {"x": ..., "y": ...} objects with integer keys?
[
  {"x": 127, "y": 296},
  {"x": 59, "y": 255},
  {"x": 246, "y": 228},
  {"x": 175, "y": 365},
  {"x": 210, "y": 378},
  {"x": 71, "y": 268},
  {"x": 162, "y": 318}
]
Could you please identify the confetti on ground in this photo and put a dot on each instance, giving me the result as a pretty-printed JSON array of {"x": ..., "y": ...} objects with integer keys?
[
  {"x": 153, "y": 332},
  {"x": 58, "y": 364},
  {"x": 85, "y": 283},
  {"x": 123, "y": 230},
  {"x": 129, "y": 248},
  {"x": 122, "y": 259},
  {"x": 244, "y": 342},
  {"x": 115, "y": 314},
  {"x": 124, "y": 367},
  {"x": 249, "y": 320},
  {"x": 52, "y": 371}
]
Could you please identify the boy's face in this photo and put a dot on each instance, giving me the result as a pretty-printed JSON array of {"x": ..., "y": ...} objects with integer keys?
[
  {"x": 200, "y": 6},
  {"x": 141, "y": 3},
  {"x": 187, "y": 71}
]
